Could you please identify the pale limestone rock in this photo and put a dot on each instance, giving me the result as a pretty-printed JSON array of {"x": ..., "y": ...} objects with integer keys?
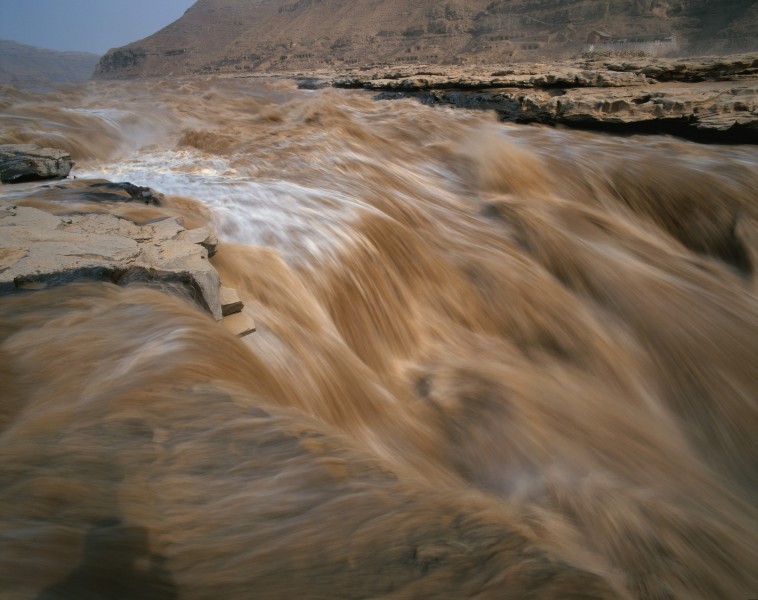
[
  {"x": 203, "y": 236},
  {"x": 40, "y": 250}
]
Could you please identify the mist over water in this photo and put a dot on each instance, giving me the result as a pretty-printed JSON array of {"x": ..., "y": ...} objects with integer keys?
[{"x": 491, "y": 361}]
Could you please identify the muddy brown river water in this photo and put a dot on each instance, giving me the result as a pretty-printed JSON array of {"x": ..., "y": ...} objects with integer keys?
[{"x": 492, "y": 361}]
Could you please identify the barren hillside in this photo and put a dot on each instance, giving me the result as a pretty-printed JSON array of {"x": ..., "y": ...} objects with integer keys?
[
  {"x": 19, "y": 62},
  {"x": 292, "y": 35}
]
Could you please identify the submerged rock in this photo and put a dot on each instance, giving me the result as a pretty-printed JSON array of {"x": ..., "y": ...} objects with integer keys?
[
  {"x": 99, "y": 190},
  {"x": 239, "y": 323},
  {"x": 27, "y": 162},
  {"x": 124, "y": 191}
]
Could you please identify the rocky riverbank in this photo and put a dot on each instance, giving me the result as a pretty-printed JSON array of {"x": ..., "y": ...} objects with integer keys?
[
  {"x": 707, "y": 99},
  {"x": 66, "y": 232}
]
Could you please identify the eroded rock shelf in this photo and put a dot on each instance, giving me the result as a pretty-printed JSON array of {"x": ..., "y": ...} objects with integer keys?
[
  {"x": 711, "y": 99},
  {"x": 40, "y": 250}
]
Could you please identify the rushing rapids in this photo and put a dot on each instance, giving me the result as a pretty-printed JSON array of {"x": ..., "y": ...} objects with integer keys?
[{"x": 491, "y": 361}]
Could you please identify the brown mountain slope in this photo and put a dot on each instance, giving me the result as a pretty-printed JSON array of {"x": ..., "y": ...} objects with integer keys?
[
  {"x": 291, "y": 35},
  {"x": 19, "y": 62}
]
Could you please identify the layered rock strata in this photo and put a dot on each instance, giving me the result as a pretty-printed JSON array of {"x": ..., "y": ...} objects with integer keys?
[
  {"x": 40, "y": 250},
  {"x": 27, "y": 162},
  {"x": 710, "y": 99}
]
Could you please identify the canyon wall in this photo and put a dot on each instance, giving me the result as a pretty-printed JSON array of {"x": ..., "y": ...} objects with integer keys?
[{"x": 304, "y": 35}]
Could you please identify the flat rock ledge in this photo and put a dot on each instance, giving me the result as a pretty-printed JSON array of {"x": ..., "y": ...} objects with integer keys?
[
  {"x": 27, "y": 162},
  {"x": 710, "y": 99},
  {"x": 40, "y": 250}
]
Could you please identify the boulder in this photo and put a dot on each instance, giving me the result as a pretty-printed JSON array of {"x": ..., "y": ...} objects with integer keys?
[{"x": 27, "y": 162}]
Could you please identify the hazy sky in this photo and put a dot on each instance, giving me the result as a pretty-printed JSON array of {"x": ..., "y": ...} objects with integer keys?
[{"x": 87, "y": 25}]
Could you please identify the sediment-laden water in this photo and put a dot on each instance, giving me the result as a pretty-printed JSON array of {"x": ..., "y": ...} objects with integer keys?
[{"x": 491, "y": 361}]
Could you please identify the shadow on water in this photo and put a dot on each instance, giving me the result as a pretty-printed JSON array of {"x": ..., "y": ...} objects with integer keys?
[{"x": 117, "y": 564}]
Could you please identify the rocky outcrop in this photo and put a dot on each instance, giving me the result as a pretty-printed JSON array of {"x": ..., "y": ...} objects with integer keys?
[
  {"x": 588, "y": 72},
  {"x": 121, "y": 60},
  {"x": 709, "y": 99},
  {"x": 40, "y": 250},
  {"x": 290, "y": 36},
  {"x": 27, "y": 162}
]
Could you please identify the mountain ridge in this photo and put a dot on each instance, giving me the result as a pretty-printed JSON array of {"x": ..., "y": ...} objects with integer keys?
[
  {"x": 303, "y": 35},
  {"x": 24, "y": 63}
]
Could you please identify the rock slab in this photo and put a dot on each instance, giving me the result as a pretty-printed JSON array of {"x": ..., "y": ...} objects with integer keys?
[
  {"x": 39, "y": 250},
  {"x": 240, "y": 324},
  {"x": 27, "y": 162},
  {"x": 230, "y": 301}
]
